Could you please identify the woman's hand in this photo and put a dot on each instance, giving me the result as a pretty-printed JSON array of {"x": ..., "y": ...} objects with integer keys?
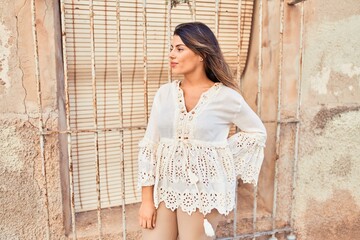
[{"x": 147, "y": 215}]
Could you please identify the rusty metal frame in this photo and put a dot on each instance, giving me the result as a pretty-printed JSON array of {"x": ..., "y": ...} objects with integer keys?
[
  {"x": 144, "y": 23},
  {"x": 297, "y": 130},
  {"x": 121, "y": 115},
  {"x": 94, "y": 98},
  {"x": 40, "y": 115},
  {"x": 217, "y": 18},
  {"x": 168, "y": 33},
  {"x": 193, "y": 10},
  {"x": 279, "y": 120},
  {"x": 238, "y": 80},
  {"x": 238, "y": 67},
  {"x": 68, "y": 128},
  {"x": 259, "y": 101},
  {"x": 96, "y": 130}
]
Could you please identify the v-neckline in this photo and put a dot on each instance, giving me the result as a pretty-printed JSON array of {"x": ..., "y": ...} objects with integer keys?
[{"x": 203, "y": 97}]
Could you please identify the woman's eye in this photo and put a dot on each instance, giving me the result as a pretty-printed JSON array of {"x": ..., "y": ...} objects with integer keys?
[{"x": 180, "y": 49}]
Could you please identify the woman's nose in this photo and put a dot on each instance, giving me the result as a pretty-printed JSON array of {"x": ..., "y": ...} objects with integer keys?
[{"x": 171, "y": 54}]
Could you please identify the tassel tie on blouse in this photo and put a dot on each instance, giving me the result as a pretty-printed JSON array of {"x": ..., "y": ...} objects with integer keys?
[{"x": 186, "y": 146}]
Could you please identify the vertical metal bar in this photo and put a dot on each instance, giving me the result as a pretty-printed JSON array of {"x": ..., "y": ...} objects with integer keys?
[
  {"x": 192, "y": 10},
  {"x": 96, "y": 137},
  {"x": 104, "y": 90},
  {"x": 120, "y": 100},
  {"x": 76, "y": 104},
  {"x": 260, "y": 58},
  {"x": 193, "y": 6},
  {"x": 298, "y": 108},
  {"x": 238, "y": 80},
  {"x": 238, "y": 73},
  {"x": 255, "y": 209},
  {"x": 68, "y": 129},
  {"x": 278, "y": 126},
  {"x": 258, "y": 99},
  {"x": 235, "y": 211},
  {"x": 145, "y": 62},
  {"x": 217, "y": 18},
  {"x": 168, "y": 30},
  {"x": 41, "y": 122}
]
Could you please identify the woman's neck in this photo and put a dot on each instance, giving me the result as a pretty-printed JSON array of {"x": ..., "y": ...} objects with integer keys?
[{"x": 196, "y": 80}]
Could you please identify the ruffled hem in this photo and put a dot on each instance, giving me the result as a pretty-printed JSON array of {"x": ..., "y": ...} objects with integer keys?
[
  {"x": 248, "y": 154},
  {"x": 190, "y": 201},
  {"x": 147, "y": 163}
]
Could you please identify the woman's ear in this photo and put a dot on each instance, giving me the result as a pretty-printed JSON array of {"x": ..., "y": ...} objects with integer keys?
[{"x": 202, "y": 58}]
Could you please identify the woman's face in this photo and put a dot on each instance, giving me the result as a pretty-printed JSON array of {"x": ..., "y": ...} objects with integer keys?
[{"x": 182, "y": 59}]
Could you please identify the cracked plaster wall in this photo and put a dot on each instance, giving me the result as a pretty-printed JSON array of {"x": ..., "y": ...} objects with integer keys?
[
  {"x": 22, "y": 183},
  {"x": 327, "y": 203}
]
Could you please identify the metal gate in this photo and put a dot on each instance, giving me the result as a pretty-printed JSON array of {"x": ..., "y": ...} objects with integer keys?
[{"x": 115, "y": 58}]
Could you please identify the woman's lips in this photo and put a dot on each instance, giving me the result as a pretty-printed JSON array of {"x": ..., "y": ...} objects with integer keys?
[{"x": 173, "y": 64}]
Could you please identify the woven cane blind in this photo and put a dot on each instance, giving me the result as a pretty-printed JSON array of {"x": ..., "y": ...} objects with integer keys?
[{"x": 123, "y": 122}]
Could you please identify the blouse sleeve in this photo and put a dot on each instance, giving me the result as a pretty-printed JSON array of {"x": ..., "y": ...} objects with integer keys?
[
  {"x": 147, "y": 149},
  {"x": 247, "y": 146}
]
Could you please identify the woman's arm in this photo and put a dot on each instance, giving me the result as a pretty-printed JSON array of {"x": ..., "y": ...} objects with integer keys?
[
  {"x": 147, "y": 168},
  {"x": 248, "y": 145},
  {"x": 147, "y": 211}
]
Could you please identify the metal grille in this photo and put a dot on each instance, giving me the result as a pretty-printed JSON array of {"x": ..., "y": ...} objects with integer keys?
[
  {"x": 130, "y": 38},
  {"x": 115, "y": 57}
]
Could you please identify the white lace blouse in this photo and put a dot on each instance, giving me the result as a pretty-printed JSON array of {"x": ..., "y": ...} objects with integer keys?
[{"x": 188, "y": 156}]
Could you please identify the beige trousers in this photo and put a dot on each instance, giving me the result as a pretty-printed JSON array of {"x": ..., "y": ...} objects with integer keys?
[{"x": 179, "y": 225}]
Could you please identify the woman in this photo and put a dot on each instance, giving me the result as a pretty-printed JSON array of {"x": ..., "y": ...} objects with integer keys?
[{"x": 187, "y": 165}]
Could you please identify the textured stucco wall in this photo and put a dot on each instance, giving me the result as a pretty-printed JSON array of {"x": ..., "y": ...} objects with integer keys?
[
  {"x": 327, "y": 203},
  {"x": 23, "y": 208}
]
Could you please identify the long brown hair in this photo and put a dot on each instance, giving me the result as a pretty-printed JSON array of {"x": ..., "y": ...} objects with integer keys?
[{"x": 201, "y": 40}]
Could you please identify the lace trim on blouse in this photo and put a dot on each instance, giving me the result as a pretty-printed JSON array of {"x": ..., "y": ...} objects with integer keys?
[
  {"x": 248, "y": 153},
  {"x": 189, "y": 201},
  {"x": 147, "y": 163}
]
